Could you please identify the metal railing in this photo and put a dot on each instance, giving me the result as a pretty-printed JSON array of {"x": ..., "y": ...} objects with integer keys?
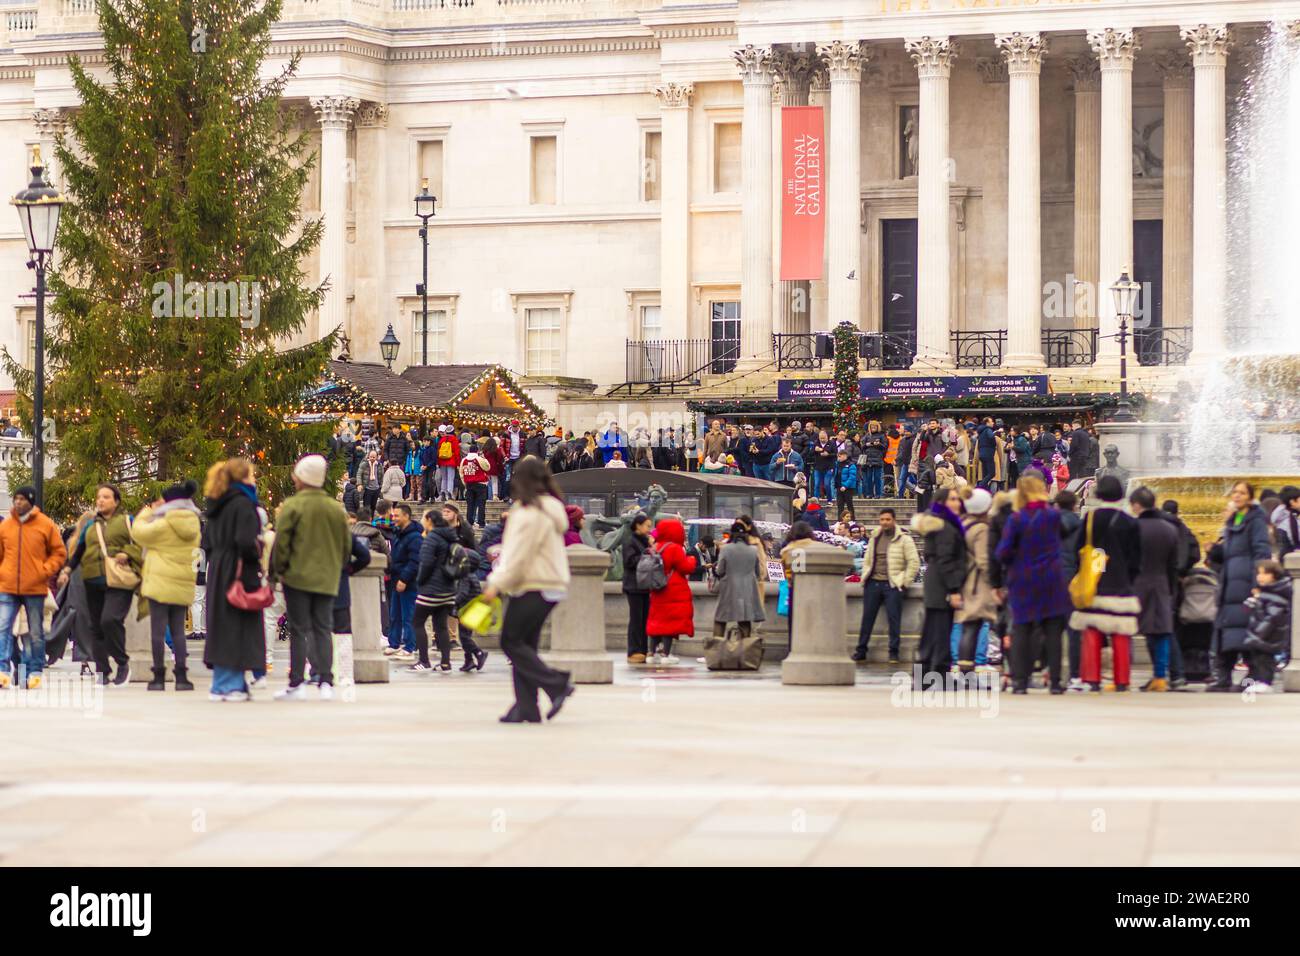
[
  {"x": 1069, "y": 348},
  {"x": 1170, "y": 345},
  {"x": 979, "y": 349},
  {"x": 796, "y": 350},
  {"x": 888, "y": 351},
  {"x": 678, "y": 362}
]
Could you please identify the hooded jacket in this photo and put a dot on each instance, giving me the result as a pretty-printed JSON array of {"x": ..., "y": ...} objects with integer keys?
[
  {"x": 945, "y": 557},
  {"x": 672, "y": 610},
  {"x": 532, "y": 549},
  {"x": 31, "y": 552},
  {"x": 170, "y": 536}
]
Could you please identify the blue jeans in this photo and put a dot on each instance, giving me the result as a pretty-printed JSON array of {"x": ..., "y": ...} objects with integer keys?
[
  {"x": 34, "y": 652},
  {"x": 227, "y": 680},
  {"x": 875, "y": 594},
  {"x": 401, "y": 607},
  {"x": 981, "y": 642},
  {"x": 823, "y": 485},
  {"x": 872, "y": 481},
  {"x": 1158, "y": 645}
]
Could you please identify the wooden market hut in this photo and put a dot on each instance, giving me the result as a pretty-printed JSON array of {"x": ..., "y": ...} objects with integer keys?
[{"x": 470, "y": 396}]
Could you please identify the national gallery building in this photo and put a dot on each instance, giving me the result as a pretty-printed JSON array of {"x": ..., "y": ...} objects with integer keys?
[{"x": 641, "y": 198}]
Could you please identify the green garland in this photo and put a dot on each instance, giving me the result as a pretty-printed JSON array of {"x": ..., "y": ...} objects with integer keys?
[{"x": 847, "y": 411}]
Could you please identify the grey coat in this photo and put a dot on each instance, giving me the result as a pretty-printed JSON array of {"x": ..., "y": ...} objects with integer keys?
[{"x": 739, "y": 572}]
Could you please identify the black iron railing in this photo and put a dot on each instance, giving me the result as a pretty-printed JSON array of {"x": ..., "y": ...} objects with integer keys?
[
  {"x": 796, "y": 350},
  {"x": 1069, "y": 348},
  {"x": 889, "y": 351},
  {"x": 1170, "y": 345},
  {"x": 654, "y": 361},
  {"x": 982, "y": 349}
]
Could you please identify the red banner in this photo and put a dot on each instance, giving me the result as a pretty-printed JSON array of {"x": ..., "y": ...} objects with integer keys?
[{"x": 802, "y": 220}]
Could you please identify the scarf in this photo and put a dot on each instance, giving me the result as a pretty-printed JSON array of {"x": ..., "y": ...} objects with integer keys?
[
  {"x": 247, "y": 489},
  {"x": 942, "y": 511}
]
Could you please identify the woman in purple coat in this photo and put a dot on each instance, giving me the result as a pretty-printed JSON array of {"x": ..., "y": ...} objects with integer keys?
[{"x": 1037, "y": 594}]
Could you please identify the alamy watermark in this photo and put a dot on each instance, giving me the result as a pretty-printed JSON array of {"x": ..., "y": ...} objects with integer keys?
[{"x": 241, "y": 298}]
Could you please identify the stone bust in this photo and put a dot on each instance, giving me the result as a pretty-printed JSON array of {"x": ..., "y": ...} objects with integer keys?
[{"x": 1112, "y": 466}]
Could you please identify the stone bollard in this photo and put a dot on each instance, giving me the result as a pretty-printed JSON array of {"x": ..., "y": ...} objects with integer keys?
[
  {"x": 818, "y": 651},
  {"x": 139, "y": 648},
  {"x": 1291, "y": 675},
  {"x": 369, "y": 665},
  {"x": 578, "y": 622}
]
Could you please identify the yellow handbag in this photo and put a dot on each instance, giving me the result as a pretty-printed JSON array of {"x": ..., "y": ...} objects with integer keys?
[
  {"x": 481, "y": 616},
  {"x": 1092, "y": 564}
]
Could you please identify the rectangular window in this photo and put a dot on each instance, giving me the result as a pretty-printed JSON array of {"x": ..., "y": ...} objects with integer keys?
[
  {"x": 431, "y": 152},
  {"x": 652, "y": 327},
  {"x": 543, "y": 170},
  {"x": 724, "y": 336},
  {"x": 438, "y": 348},
  {"x": 726, "y": 158},
  {"x": 30, "y": 363},
  {"x": 542, "y": 341},
  {"x": 654, "y": 141}
]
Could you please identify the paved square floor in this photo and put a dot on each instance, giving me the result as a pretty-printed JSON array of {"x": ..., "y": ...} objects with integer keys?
[{"x": 674, "y": 766}]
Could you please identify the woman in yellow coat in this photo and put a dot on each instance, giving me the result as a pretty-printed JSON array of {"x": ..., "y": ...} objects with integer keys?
[{"x": 169, "y": 530}]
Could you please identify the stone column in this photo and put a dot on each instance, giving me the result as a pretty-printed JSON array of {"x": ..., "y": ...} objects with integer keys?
[
  {"x": 1177, "y": 209},
  {"x": 139, "y": 649},
  {"x": 1087, "y": 195},
  {"x": 933, "y": 57},
  {"x": 756, "y": 208},
  {"x": 49, "y": 124},
  {"x": 674, "y": 208},
  {"x": 335, "y": 113},
  {"x": 578, "y": 622},
  {"x": 1209, "y": 46},
  {"x": 369, "y": 665},
  {"x": 1115, "y": 50},
  {"x": 1291, "y": 675},
  {"x": 844, "y": 62},
  {"x": 818, "y": 647},
  {"x": 1024, "y": 56},
  {"x": 370, "y": 299},
  {"x": 819, "y": 94},
  {"x": 794, "y": 69}
]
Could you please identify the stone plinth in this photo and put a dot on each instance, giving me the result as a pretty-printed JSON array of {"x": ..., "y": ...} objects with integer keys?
[
  {"x": 578, "y": 622},
  {"x": 369, "y": 665},
  {"x": 818, "y": 654},
  {"x": 139, "y": 649},
  {"x": 1291, "y": 676}
]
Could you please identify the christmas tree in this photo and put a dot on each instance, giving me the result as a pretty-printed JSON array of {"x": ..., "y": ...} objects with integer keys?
[{"x": 179, "y": 266}]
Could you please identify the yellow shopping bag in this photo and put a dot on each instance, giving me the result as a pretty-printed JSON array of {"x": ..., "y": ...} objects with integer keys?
[{"x": 481, "y": 616}]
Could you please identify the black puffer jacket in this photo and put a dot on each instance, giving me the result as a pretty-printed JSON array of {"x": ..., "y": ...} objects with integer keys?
[
  {"x": 874, "y": 446},
  {"x": 633, "y": 548},
  {"x": 1243, "y": 546},
  {"x": 945, "y": 558},
  {"x": 432, "y": 578}
]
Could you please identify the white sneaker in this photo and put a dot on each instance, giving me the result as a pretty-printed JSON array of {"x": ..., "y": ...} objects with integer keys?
[
  {"x": 986, "y": 669},
  {"x": 326, "y": 691},
  {"x": 1076, "y": 686},
  {"x": 656, "y": 659},
  {"x": 294, "y": 693},
  {"x": 403, "y": 656},
  {"x": 1259, "y": 687},
  {"x": 259, "y": 683},
  {"x": 390, "y": 651},
  {"x": 234, "y": 696},
  {"x": 670, "y": 659}
]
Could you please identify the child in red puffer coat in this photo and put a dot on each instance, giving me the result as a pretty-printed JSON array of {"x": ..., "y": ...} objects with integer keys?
[{"x": 672, "y": 610}]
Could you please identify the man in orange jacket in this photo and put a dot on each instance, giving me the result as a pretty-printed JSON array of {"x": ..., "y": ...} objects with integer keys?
[{"x": 31, "y": 553}]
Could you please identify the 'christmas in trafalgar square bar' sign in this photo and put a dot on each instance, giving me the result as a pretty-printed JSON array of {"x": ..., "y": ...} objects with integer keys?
[{"x": 923, "y": 386}]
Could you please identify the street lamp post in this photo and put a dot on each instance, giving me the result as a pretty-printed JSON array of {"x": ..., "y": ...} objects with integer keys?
[
  {"x": 38, "y": 210},
  {"x": 388, "y": 346},
  {"x": 425, "y": 208},
  {"x": 1125, "y": 291}
]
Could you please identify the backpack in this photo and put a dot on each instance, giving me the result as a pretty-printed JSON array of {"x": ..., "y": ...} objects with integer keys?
[
  {"x": 444, "y": 450},
  {"x": 1092, "y": 564},
  {"x": 458, "y": 562},
  {"x": 1200, "y": 604},
  {"x": 650, "y": 572}
]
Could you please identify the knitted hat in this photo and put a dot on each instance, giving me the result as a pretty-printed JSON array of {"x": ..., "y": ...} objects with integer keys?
[
  {"x": 979, "y": 502},
  {"x": 311, "y": 470},
  {"x": 180, "y": 491},
  {"x": 28, "y": 492}
]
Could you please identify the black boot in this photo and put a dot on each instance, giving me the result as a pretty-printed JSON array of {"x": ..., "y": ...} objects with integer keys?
[
  {"x": 182, "y": 678},
  {"x": 159, "y": 681}
]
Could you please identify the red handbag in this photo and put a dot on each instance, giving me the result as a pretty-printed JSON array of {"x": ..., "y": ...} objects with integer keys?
[{"x": 256, "y": 600}]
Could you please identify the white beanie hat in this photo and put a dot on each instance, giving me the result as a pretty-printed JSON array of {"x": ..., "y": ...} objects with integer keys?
[
  {"x": 979, "y": 502},
  {"x": 311, "y": 470}
]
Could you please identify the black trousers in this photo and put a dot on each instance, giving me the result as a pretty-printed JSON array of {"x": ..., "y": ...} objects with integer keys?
[
  {"x": 476, "y": 503},
  {"x": 441, "y": 615},
  {"x": 162, "y": 617},
  {"x": 521, "y": 632},
  {"x": 877, "y": 594},
  {"x": 936, "y": 634},
  {"x": 311, "y": 617},
  {"x": 638, "y": 611},
  {"x": 108, "y": 608},
  {"x": 1028, "y": 642},
  {"x": 369, "y": 497}
]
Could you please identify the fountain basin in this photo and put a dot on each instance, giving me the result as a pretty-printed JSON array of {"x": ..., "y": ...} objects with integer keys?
[{"x": 1202, "y": 499}]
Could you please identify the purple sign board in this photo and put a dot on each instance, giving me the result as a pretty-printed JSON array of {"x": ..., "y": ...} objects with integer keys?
[{"x": 914, "y": 386}]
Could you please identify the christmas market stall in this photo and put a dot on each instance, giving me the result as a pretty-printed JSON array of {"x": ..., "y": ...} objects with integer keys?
[{"x": 471, "y": 397}]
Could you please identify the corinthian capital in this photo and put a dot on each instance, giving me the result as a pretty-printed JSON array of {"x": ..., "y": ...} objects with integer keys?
[
  {"x": 675, "y": 96},
  {"x": 844, "y": 61},
  {"x": 334, "y": 111},
  {"x": 1086, "y": 72},
  {"x": 933, "y": 56},
  {"x": 1115, "y": 48},
  {"x": 49, "y": 123},
  {"x": 755, "y": 64},
  {"x": 372, "y": 114},
  {"x": 1176, "y": 68},
  {"x": 1208, "y": 43},
  {"x": 1022, "y": 51}
]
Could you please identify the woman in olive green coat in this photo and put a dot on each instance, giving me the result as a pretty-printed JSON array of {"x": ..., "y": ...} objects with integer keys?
[
  {"x": 169, "y": 530},
  {"x": 108, "y": 606}
]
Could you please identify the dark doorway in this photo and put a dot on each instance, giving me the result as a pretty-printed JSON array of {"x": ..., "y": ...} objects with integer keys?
[
  {"x": 1148, "y": 273},
  {"x": 898, "y": 294}
]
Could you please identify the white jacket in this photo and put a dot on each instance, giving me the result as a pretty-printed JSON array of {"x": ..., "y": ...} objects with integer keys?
[
  {"x": 393, "y": 483},
  {"x": 532, "y": 549}
]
